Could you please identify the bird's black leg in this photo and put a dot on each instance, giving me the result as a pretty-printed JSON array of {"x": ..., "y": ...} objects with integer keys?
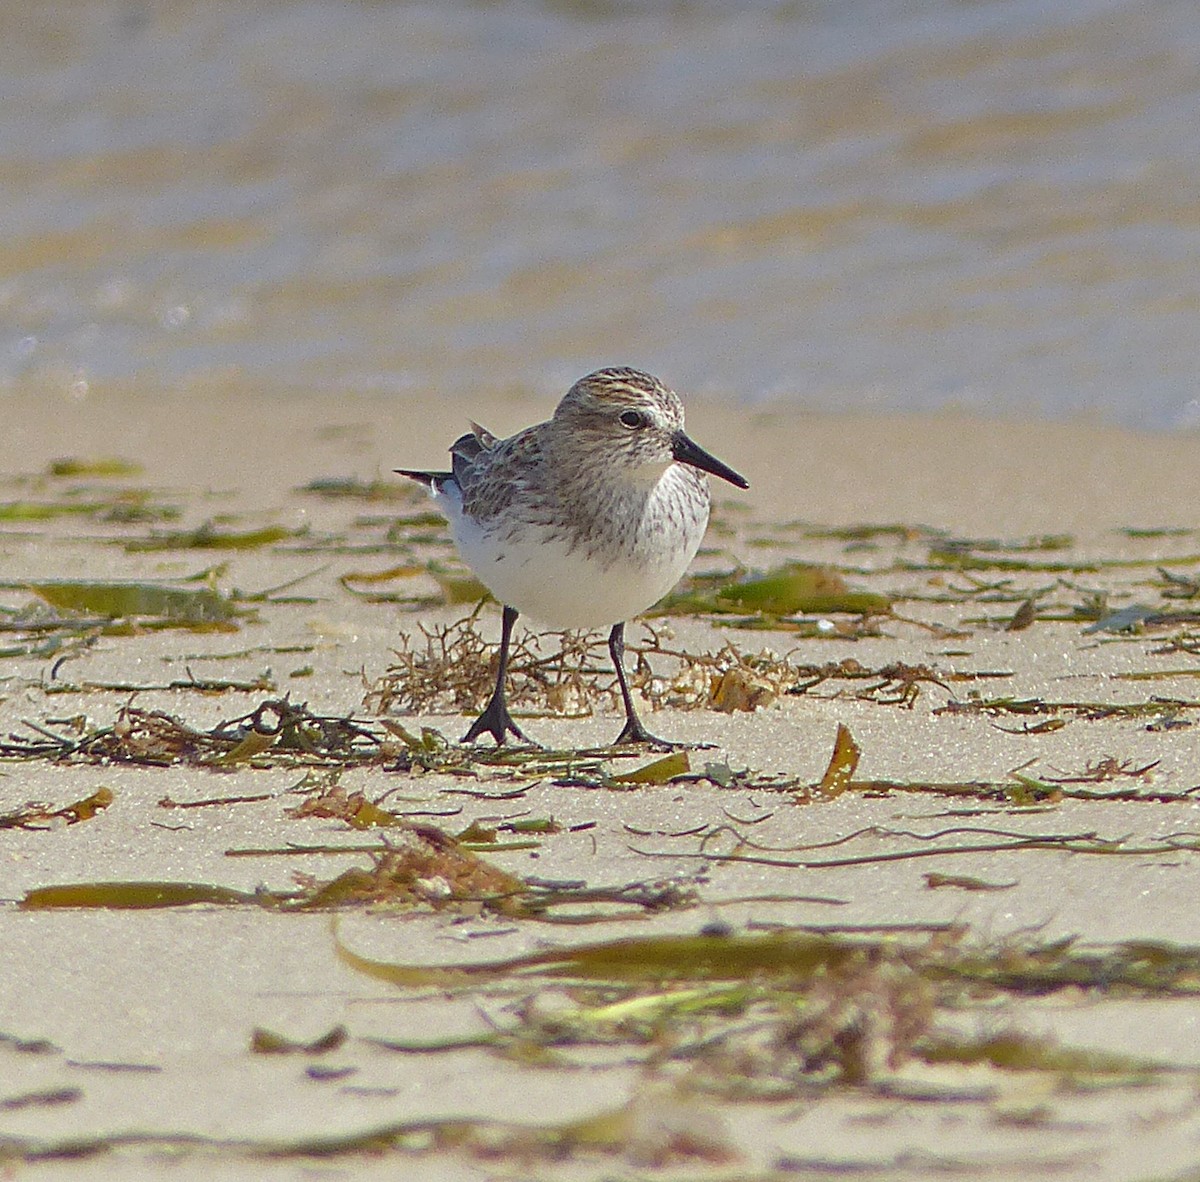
[
  {"x": 495, "y": 719},
  {"x": 634, "y": 731}
]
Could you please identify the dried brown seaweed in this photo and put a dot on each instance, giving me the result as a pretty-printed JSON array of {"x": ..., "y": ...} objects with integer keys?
[
  {"x": 42, "y": 816},
  {"x": 455, "y": 670},
  {"x": 765, "y": 1016},
  {"x": 288, "y": 730}
]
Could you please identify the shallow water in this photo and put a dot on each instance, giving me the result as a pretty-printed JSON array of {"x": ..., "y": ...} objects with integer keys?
[{"x": 891, "y": 204}]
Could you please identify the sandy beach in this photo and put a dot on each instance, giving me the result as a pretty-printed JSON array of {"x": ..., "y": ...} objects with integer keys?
[
  {"x": 917, "y": 896},
  {"x": 1023, "y": 781}
]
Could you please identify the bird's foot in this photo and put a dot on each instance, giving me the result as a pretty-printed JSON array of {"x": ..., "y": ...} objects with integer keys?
[
  {"x": 635, "y": 733},
  {"x": 497, "y": 722}
]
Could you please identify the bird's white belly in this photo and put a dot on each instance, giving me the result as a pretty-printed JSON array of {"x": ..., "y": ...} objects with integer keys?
[{"x": 566, "y": 587}]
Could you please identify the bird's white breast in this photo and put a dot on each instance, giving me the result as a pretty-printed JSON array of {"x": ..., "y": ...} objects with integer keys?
[{"x": 567, "y": 581}]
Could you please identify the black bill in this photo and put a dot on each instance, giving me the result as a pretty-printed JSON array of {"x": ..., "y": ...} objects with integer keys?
[{"x": 687, "y": 452}]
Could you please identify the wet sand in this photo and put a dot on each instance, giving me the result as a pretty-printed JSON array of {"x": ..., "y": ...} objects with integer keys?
[
  {"x": 905, "y": 209},
  {"x": 149, "y": 1013}
]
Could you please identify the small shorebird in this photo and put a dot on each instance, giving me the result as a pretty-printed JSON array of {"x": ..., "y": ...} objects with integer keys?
[{"x": 582, "y": 521}]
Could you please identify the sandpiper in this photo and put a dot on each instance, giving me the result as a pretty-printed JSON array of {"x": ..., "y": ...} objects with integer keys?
[{"x": 582, "y": 521}]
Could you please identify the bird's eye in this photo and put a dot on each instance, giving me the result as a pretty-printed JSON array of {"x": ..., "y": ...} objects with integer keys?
[{"x": 633, "y": 419}]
